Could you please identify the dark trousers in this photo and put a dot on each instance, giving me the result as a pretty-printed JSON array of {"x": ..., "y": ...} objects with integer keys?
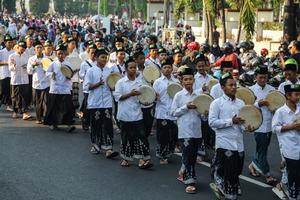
[
  {"x": 189, "y": 157},
  {"x": 75, "y": 95},
  {"x": 148, "y": 116},
  {"x": 59, "y": 110},
  {"x": 101, "y": 127},
  {"x": 166, "y": 135},
  {"x": 20, "y": 98},
  {"x": 30, "y": 91},
  {"x": 227, "y": 166},
  {"x": 86, "y": 116},
  {"x": 40, "y": 99},
  {"x": 293, "y": 171},
  {"x": 260, "y": 157},
  {"x": 134, "y": 143},
  {"x": 5, "y": 98}
]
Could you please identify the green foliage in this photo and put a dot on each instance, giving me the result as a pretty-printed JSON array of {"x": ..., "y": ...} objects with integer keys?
[
  {"x": 192, "y": 6},
  {"x": 248, "y": 19},
  {"x": 104, "y": 7},
  {"x": 9, "y": 5},
  {"x": 38, "y": 7},
  {"x": 76, "y": 7},
  {"x": 274, "y": 26}
]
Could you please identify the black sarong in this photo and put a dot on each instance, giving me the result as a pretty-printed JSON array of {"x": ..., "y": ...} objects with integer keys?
[
  {"x": 148, "y": 117},
  {"x": 85, "y": 112},
  {"x": 5, "y": 98},
  {"x": 167, "y": 133},
  {"x": 293, "y": 172},
  {"x": 40, "y": 100},
  {"x": 134, "y": 143},
  {"x": 102, "y": 128},
  {"x": 59, "y": 110}
]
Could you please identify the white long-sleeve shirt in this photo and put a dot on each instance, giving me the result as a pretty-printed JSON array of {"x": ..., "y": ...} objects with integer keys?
[
  {"x": 288, "y": 140},
  {"x": 200, "y": 80},
  {"x": 100, "y": 97},
  {"x": 39, "y": 79},
  {"x": 18, "y": 71},
  {"x": 59, "y": 85},
  {"x": 113, "y": 59},
  {"x": 119, "y": 68},
  {"x": 228, "y": 135},
  {"x": 216, "y": 91},
  {"x": 129, "y": 109},
  {"x": 151, "y": 61},
  {"x": 84, "y": 67},
  {"x": 164, "y": 103},
  {"x": 4, "y": 70},
  {"x": 188, "y": 120},
  {"x": 261, "y": 93}
]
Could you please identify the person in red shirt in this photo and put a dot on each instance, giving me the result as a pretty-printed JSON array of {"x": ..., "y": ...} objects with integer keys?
[{"x": 228, "y": 56}]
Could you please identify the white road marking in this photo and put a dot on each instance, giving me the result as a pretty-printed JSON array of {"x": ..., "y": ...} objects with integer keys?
[{"x": 245, "y": 178}]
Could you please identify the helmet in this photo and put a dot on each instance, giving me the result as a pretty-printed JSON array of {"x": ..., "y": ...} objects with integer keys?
[
  {"x": 251, "y": 44},
  {"x": 193, "y": 46},
  {"x": 228, "y": 48},
  {"x": 264, "y": 51},
  {"x": 245, "y": 45},
  {"x": 204, "y": 48}
]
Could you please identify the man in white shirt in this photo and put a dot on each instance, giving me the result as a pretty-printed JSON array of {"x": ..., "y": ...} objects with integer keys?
[
  {"x": 119, "y": 66},
  {"x": 216, "y": 91},
  {"x": 60, "y": 108},
  {"x": 119, "y": 44},
  {"x": 48, "y": 50},
  {"x": 17, "y": 63},
  {"x": 40, "y": 82},
  {"x": 148, "y": 110},
  {"x": 290, "y": 73},
  {"x": 134, "y": 143},
  {"x": 5, "y": 97},
  {"x": 262, "y": 135},
  {"x": 286, "y": 125},
  {"x": 85, "y": 66},
  {"x": 167, "y": 131},
  {"x": 189, "y": 129},
  {"x": 229, "y": 157},
  {"x": 100, "y": 105},
  {"x": 152, "y": 60}
]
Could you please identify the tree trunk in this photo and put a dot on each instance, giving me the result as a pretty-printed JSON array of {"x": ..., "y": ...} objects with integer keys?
[
  {"x": 209, "y": 33},
  {"x": 240, "y": 23},
  {"x": 223, "y": 21},
  {"x": 130, "y": 13},
  {"x": 289, "y": 21},
  {"x": 166, "y": 13}
]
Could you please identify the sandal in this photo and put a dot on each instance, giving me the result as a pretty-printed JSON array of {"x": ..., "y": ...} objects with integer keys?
[
  {"x": 216, "y": 191},
  {"x": 146, "y": 165},
  {"x": 271, "y": 181},
  {"x": 180, "y": 179},
  {"x": 190, "y": 189},
  {"x": 124, "y": 163},
  {"x": 94, "y": 150},
  {"x": 111, "y": 154},
  {"x": 253, "y": 172}
]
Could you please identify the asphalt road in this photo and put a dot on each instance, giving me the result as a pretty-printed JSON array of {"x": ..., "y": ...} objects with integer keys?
[{"x": 39, "y": 164}]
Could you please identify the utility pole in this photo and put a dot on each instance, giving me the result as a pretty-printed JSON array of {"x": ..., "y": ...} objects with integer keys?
[{"x": 98, "y": 18}]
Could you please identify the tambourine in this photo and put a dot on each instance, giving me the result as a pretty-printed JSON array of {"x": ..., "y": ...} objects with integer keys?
[
  {"x": 147, "y": 95},
  {"x": 67, "y": 71},
  {"x": 173, "y": 88},
  {"x": 246, "y": 95},
  {"x": 276, "y": 100},
  {"x": 112, "y": 80},
  {"x": 203, "y": 102},
  {"x": 252, "y": 117}
]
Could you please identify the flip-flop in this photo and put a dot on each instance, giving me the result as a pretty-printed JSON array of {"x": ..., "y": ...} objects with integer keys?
[
  {"x": 94, "y": 150},
  {"x": 146, "y": 165},
  {"x": 216, "y": 191},
  {"x": 180, "y": 179},
  {"x": 279, "y": 193},
  {"x": 190, "y": 189},
  {"x": 124, "y": 163},
  {"x": 112, "y": 155},
  {"x": 272, "y": 181},
  {"x": 252, "y": 172}
]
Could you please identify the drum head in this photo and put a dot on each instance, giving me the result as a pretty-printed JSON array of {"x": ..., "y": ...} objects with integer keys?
[
  {"x": 203, "y": 102},
  {"x": 276, "y": 100},
  {"x": 246, "y": 95},
  {"x": 147, "y": 95},
  {"x": 112, "y": 80},
  {"x": 211, "y": 83},
  {"x": 252, "y": 117},
  {"x": 151, "y": 73},
  {"x": 46, "y": 62},
  {"x": 173, "y": 88},
  {"x": 75, "y": 62},
  {"x": 67, "y": 71}
]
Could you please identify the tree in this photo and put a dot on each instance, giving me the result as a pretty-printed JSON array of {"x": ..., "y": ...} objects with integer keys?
[
  {"x": 9, "y": 5},
  {"x": 248, "y": 19},
  {"x": 38, "y": 7},
  {"x": 166, "y": 13},
  {"x": 290, "y": 20}
]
